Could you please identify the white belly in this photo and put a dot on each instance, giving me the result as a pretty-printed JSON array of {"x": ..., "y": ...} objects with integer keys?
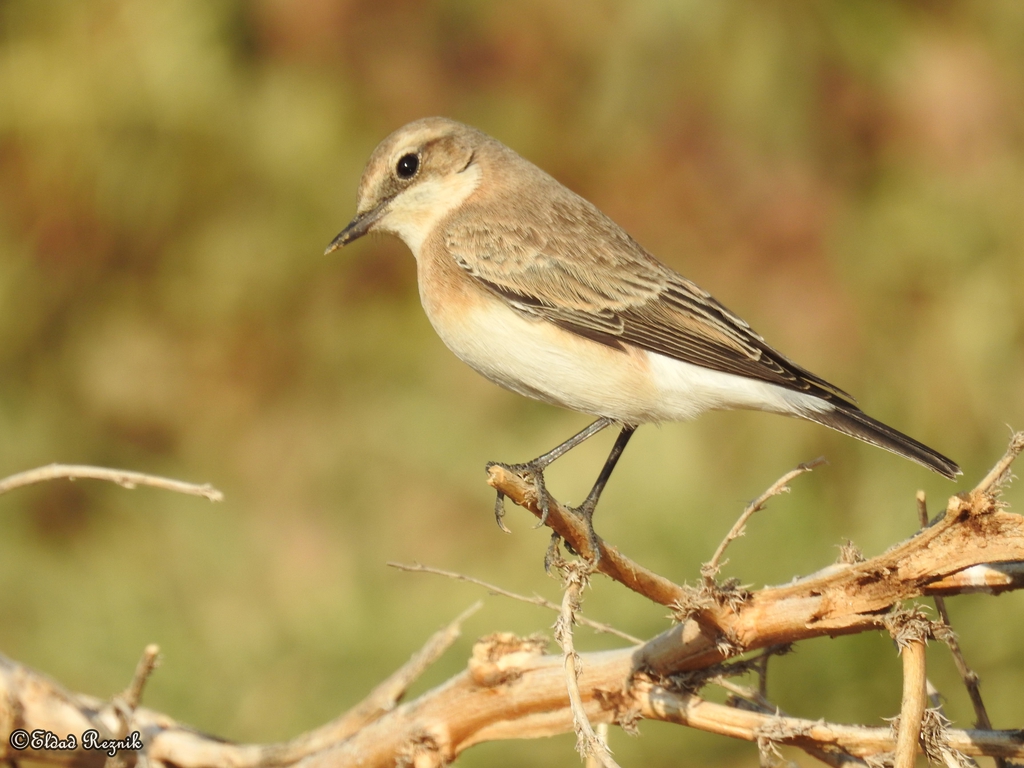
[{"x": 538, "y": 359}]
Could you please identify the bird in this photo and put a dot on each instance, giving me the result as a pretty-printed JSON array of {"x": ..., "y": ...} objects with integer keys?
[{"x": 543, "y": 294}]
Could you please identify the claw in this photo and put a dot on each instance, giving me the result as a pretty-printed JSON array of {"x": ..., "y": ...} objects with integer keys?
[
  {"x": 535, "y": 471},
  {"x": 595, "y": 546},
  {"x": 552, "y": 556},
  {"x": 586, "y": 513},
  {"x": 543, "y": 497},
  {"x": 499, "y": 512},
  {"x": 529, "y": 471}
]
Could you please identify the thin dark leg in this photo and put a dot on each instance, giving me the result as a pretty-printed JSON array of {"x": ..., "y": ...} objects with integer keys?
[
  {"x": 535, "y": 470},
  {"x": 609, "y": 466},
  {"x": 542, "y": 462},
  {"x": 586, "y": 509}
]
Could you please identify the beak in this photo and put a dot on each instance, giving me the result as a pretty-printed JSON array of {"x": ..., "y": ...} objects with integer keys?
[{"x": 358, "y": 227}]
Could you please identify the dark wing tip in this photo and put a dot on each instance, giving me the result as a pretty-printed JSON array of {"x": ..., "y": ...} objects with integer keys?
[{"x": 852, "y": 421}]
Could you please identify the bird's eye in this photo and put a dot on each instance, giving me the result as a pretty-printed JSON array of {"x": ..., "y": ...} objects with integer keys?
[{"x": 407, "y": 166}]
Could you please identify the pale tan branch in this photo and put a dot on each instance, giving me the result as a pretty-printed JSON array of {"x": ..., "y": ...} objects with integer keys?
[
  {"x": 849, "y": 597},
  {"x": 588, "y": 743},
  {"x": 755, "y": 700},
  {"x": 914, "y": 700},
  {"x": 513, "y": 690},
  {"x": 602, "y": 731},
  {"x": 125, "y": 703},
  {"x": 991, "y": 576},
  {"x": 843, "y": 599},
  {"x": 529, "y": 702},
  {"x": 149, "y": 661},
  {"x": 466, "y": 710},
  {"x": 122, "y": 477},
  {"x": 710, "y": 569},
  {"x": 862, "y": 741},
  {"x": 597, "y": 626},
  {"x": 999, "y": 474},
  {"x": 570, "y": 527},
  {"x": 32, "y": 701}
]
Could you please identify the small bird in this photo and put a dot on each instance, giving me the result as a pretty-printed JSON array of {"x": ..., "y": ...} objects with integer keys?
[{"x": 536, "y": 289}]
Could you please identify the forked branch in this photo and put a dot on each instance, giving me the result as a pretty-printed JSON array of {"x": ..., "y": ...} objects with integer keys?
[{"x": 512, "y": 689}]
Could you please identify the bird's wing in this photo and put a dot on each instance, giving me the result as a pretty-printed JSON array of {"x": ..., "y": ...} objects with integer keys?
[{"x": 574, "y": 267}]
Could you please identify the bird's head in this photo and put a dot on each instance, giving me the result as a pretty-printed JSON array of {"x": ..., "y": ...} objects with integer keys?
[{"x": 415, "y": 177}]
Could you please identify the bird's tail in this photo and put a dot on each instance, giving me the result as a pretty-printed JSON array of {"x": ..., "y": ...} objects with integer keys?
[{"x": 852, "y": 421}]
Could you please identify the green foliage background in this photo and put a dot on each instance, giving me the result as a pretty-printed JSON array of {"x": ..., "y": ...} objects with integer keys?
[{"x": 847, "y": 176}]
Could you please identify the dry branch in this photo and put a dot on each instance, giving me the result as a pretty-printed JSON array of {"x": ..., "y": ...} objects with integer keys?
[
  {"x": 915, "y": 698},
  {"x": 512, "y": 689},
  {"x": 588, "y": 743},
  {"x": 147, "y": 665},
  {"x": 526, "y": 695},
  {"x": 123, "y": 477},
  {"x": 970, "y": 679},
  {"x": 846, "y": 598},
  {"x": 530, "y": 703},
  {"x": 597, "y": 626},
  {"x": 710, "y": 569},
  {"x": 569, "y": 526}
]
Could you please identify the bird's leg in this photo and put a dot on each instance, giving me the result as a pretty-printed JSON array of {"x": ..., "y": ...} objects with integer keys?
[
  {"x": 534, "y": 470},
  {"x": 586, "y": 509}
]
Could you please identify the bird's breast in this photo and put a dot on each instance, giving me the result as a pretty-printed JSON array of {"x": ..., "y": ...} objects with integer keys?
[
  {"x": 539, "y": 359},
  {"x": 530, "y": 355}
]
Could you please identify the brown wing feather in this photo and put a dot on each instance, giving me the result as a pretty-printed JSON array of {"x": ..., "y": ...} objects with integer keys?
[{"x": 580, "y": 270}]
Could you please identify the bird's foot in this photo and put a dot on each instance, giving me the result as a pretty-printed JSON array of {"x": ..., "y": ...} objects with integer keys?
[
  {"x": 585, "y": 512},
  {"x": 553, "y": 557},
  {"x": 533, "y": 472}
]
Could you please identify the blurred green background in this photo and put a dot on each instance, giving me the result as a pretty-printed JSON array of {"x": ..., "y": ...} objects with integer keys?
[{"x": 849, "y": 177}]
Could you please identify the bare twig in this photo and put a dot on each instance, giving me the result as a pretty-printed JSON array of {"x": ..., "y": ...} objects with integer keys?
[
  {"x": 463, "y": 711},
  {"x": 460, "y": 713},
  {"x": 602, "y": 732},
  {"x": 710, "y": 569},
  {"x": 914, "y": 700},
  {"x": 997, "y": 476},
  {"x": 973, "y": 530},
  {"x": 750, "y": 698},
  {"x": 126, "y": 703},
  {"x": 149, "y": 661},
  {"x": 122, "y": 477},
  {"x": 811, "y": 606},
  {"x": 588, "y": 743},
  {"x": 657, "y": 702},
  {"x": 597, "y": 626},
  {"x": 969, "y": 677},
  {"x": 527, "y": 695},
  {"x": 922, "y": 509}
]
